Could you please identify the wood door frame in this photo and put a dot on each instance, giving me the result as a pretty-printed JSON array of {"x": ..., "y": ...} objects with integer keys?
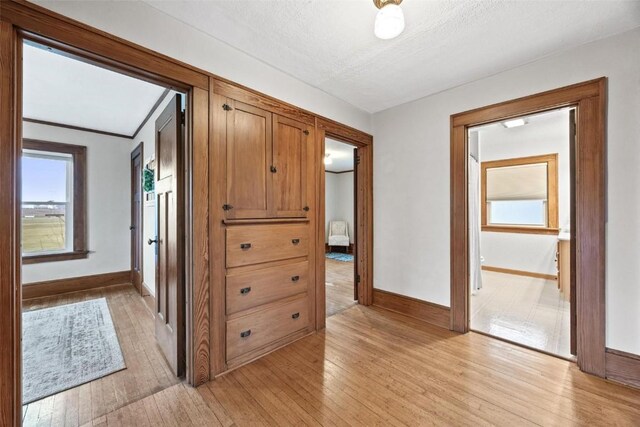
[
  {"x": 21, "y": 21},
  {"x": 138, "y": 151},
  {"x": 364, "y": 246},
  {"x": 589, "y": 99}
]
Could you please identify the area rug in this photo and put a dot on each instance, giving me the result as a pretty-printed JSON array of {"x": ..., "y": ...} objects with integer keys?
[
  {"x": 66, "y": 346},
  {"x": 340, "y": 257}
]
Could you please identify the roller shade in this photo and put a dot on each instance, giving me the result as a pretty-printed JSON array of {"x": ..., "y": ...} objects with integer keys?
[{"x": 526, "y": 182}]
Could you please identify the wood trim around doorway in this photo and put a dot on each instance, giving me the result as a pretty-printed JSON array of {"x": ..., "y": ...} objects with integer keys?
[
  {"x": 364, "y": 215},
  {"x": 589, "y": 98}
]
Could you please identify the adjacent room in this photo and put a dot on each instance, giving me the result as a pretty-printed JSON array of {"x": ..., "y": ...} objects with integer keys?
[
  {"x": 88, "y": 232},
  {"x": 520, "y": 184},
  {"x": 340, "y": 227}
]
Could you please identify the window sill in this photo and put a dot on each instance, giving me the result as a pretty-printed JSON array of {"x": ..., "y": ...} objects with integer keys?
[
  {"x": 521, "y": 229},
  {"x": 66, "y": 256}
]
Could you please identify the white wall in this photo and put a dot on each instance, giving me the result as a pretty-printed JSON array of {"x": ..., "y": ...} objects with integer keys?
[
  {"x": 147, "y": 136},
  {"x": 546, "y": 134},
  {"x": 142, "y": 24},
  {"x": 108, "y": 205},
  {"x": 411, "y": 177},
  {"x": 339, "y": 203}
]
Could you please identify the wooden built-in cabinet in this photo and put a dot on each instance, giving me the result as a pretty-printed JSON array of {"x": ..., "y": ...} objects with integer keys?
[
  {"x": 266, "y": 165},
  {"x": 269, "y": 288}
]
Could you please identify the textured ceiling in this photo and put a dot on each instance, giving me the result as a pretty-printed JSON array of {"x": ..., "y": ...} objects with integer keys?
[
  {"x": 63, "y": 90},
  {"x": 341, "y": 155},
  {"x": 330, "y": 44}
]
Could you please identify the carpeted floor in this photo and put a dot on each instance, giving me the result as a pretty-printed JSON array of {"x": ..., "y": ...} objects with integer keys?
[
  {"x": 66, "y": 346},
  {"x": 340, "y": 257}
]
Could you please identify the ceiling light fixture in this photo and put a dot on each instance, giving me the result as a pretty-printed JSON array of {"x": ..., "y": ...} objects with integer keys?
[
  {"x": 389, "y": 20},
  {"x": 514, "y": 123},
  {"x": 327, "y": 159}
]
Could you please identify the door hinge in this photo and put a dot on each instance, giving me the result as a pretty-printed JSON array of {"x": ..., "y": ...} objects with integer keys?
[
  {"x": 227, "y": 207},
  {"x": 226, "y": 107},
  {"x": 357, "y": 160},
  {"x": 306, "y": 132},
  {"x": 357, "y": 278},
  {"x": 182, "y": 117}
]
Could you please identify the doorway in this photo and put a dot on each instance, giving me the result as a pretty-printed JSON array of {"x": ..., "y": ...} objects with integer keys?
[
  {"x": 340, "y": 226},
  {"x": 589, "y": 100},
  {"x": 520, "y": 217},
  {"x": 89, "y": 339}
]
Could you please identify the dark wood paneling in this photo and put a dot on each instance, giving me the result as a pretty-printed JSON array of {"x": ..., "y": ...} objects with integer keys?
[
  {"x": 435, "y": 314},
  {"x": 82, "y": 129},
  {"x": 623, "y": 367},
  {"x": 74, "y": 284},
  {"x": 590, "y": 190}
]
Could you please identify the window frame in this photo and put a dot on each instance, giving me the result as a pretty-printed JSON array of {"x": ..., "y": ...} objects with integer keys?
[
  {"x": 551, "y": 226},
  {"x": 79, "y": 158}
]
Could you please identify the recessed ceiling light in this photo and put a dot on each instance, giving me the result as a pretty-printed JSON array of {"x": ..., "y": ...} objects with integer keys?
[
  {"x": 514, "y": 123},
  {"x": 389, "y": 20}
]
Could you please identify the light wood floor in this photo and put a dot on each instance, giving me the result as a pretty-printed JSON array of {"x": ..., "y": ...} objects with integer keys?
[
  {"x": 372, "y": 367},
  {"x": 522, "y": 309},
  {"x": 147, "y": 372},
  {"x": 339, "y": 285}
]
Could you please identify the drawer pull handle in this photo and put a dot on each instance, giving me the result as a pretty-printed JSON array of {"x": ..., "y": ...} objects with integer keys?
[
  {"x": 246, "y": 290},
  {"x": 295, "y": 278},
  {"x": 295, "y": 241},
  {"x": 245, "y": 334},
  {"x": 245, "y": 245},
  {"x": 295, "y": 315}
]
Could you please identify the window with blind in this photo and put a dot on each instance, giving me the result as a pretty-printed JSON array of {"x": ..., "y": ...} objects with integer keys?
[
  {"x": 53, "y": 212},
  {"x": 520, "y": 194}
]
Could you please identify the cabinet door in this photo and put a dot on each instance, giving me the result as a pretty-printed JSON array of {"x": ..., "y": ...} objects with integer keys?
[
  {"x": 249, "y": 144},
  {"x": 290, "y": 141}
]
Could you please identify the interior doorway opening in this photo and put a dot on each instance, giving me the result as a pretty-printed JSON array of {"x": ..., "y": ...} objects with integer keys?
[
  {"x": 340, "y": 226},
  {"x": 521, "y": 236},
  {"x": 103, "y": 215}
]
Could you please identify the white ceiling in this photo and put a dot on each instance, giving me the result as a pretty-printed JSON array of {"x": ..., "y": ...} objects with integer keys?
[
  {"x": 341, "y": 155},
  {"x": 330, "y": 44},
  {"x": 63, "y": 90}
]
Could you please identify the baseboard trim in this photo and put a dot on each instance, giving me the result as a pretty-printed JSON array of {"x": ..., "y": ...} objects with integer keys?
[
  {"x": 520, "y": 272},
  {"x": 74, "y": 284},
  {"x": 350, "y": 249},
  {"x": 425, "y": 311},
  {"x": 622, "y": 367},
  {"x": 148, "y": 297}
]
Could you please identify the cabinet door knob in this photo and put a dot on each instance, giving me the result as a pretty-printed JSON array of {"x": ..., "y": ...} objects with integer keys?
[
  {"x": 245, "y": 334},
  {"x": 273, "y": 169},
  {"x": 306, "y": 209},
  {"x": 295, "y": 278},
  {"x": 295, "y": 241},
  {"x": 295, "y": 315},
  {"x": 246, "y": 290},
  {"x": 245, "y": 245}
]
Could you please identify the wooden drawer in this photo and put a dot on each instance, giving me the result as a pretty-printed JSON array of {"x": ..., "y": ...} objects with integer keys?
[
  {"x": 254, "y": 288},
  {"x": 261, "y": 328},
  {"x": 254, "y": 244}
]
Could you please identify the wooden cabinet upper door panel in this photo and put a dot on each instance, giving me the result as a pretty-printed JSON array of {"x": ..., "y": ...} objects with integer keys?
[
  {"x": 249, "y": 136},
  {"x": 290, "y": 141}
]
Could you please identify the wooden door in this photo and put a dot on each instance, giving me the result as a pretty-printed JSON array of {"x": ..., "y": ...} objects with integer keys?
[
  {"x": 249, "y": 179},
  {"x": 573, "y": 319},
  {"x": 290, "y": 141},
  {"x": 356, "y": 161},
  {"x": 136, "y": 218},
  {"x": 170, "y": 294},
  {"x": 360, "y": 221}
]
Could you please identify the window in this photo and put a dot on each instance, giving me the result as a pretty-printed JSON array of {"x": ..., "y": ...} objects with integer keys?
[
  {"x": 520, "y": 195},
  {"x": 53, "y": 201}
]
